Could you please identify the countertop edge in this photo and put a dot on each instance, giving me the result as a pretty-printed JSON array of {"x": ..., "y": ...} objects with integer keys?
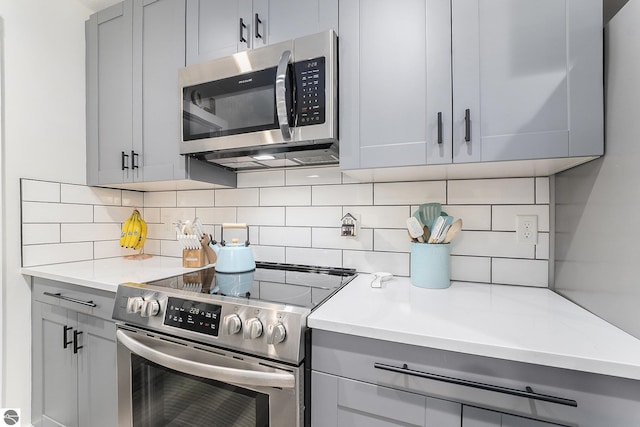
[{"x": 109, "y": 287}]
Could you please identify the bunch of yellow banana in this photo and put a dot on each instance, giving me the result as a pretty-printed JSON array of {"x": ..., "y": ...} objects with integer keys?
[{"x": 134, "y": 232}]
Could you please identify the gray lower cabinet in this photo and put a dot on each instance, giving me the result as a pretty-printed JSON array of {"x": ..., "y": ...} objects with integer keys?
[
  {"x": 134, "y": 52},
  {"x": 469, "y": 81},
  {"x": 358, "y": 381},
  {"x": 74, "y": 381}
]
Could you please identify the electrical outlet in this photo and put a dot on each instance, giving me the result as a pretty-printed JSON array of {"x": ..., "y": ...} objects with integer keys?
[{"x": 527, "y": 229}]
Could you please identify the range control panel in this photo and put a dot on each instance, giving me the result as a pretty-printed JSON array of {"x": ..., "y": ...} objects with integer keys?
[
  {"x": 193, "y": 316},
  {"x": 310, "y": 94}
]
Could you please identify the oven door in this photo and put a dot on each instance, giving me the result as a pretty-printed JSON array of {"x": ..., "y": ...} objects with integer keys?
[{"x": 164, "y": 381}]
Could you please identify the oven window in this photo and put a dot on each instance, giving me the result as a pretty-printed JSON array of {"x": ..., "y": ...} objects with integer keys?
[{"x": 164, "y": 397}]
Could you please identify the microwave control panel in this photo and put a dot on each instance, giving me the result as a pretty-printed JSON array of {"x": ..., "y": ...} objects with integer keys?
[{"x": 310, "y": 97}]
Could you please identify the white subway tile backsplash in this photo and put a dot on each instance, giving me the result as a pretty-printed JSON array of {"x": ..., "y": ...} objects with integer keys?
[
  {"x": 40, "y": 191},
  {"x": 520, "y": 272},
  {"x": 108, "y": 214},
  {"x": 503, "y": 218},
  {"x": 491, "y": 244},
  {"x": 542, "y": 248},
  {"x": 269, "y": 253},
  {"x": 337, "y": 195},
  {"x": 195, "y": 198},
  {"x": 313, "y": 176},
  {"x": 370, "y": 262},
  {"x": 261, "y": 179},
  {"x": 90, "y": 195},
  {"x": 160, "y": 199},
  {"x": 517, "y": 191},
  {"x": 294, "y": 216},
  {"x": 33, "y": 234},
  {"x": 89, "y": 232},
  {"x": 55, "y": 213},
  {"x": 261, "y": 216},
  {"x": 471, "y": 269},
  {"x": 386, "y": 240},
  {"x": 330, "y": 238},
  {"x": 407, "y": 193},
  {"x": 320, "y": 216},
  {"x": 473, "y": 217},
  {"x": 321, "y": 257},
  {"x": 33, "y": 255},
  {"x": 237, "y": 197},
  {"x": 285, "y": 236},
  {"x": 542, "y": 190},
  {"x": 379, "y": 216},
  {"x": 216, "y": 215},
  {"x": 285, "y": 196},
  {"x": 134, "y": 199}
]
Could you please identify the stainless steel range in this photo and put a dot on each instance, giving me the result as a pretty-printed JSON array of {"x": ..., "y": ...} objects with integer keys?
[{"x": 215, "y": 349}]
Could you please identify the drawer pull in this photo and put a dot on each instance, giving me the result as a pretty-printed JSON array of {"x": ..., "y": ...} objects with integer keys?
[
  {"x": 65, "y": 329},
  {"x": 77, "y": 301},
  {"x": 529, "y": 394}
]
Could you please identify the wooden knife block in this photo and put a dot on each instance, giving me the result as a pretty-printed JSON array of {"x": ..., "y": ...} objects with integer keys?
[{"x": 194, "y": 258}]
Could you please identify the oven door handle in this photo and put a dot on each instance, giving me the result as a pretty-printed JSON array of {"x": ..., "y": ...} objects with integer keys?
[
  {"x": 281, "y": 95},
  {"x": 218, "y": 373}
]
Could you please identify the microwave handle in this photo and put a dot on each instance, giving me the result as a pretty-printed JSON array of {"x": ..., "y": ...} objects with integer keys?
[
  {"x": 198, "y": 369},
  {"x": 281, "y": 95}
]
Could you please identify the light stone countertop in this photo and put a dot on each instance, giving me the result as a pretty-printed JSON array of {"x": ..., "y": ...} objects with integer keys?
[
  {"x": 106, "y": 274},
  {"x": 525, "y": 324}
]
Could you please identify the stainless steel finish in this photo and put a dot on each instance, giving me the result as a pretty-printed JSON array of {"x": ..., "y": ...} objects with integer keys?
[
  {"x": 75, "y": 300},
  {"x": 229, "y": 375},
  {"x": 252, "y": 329},
  {"x": 285, "y": 401},
  {"x": 231, "y": 324},
  {"x": 237, "y": 149},
  {"x": 281, "y": 95},
  {"x": 277, "y": 333},
  {"x": 293, "y": 318}
]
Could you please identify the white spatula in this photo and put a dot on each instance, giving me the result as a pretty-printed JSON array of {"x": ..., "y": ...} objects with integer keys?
[{"x": 416, "y": 229}]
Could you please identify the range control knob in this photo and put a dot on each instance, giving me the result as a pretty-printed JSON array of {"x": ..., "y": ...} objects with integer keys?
[
  {"x": 150, "y": 308},
  {"x": 277, "y": 333},
  {"x": 252, "y": 329},
  {"x": 134, "y": 304},
  {"x": 231, "y": 324}
]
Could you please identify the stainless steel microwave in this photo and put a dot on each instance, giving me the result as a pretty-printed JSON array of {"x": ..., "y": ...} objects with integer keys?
[{"x": 274, "y": 106}]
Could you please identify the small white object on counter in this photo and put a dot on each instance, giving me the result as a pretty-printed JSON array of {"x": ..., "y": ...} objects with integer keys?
[
  {"x": 106, "y": 274},
  {"x": 530, "y": 325},
  {"x": 378, "y": 278}
]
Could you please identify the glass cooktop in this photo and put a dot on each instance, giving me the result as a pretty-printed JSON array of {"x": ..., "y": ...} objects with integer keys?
[{"x": 293, "y": 284}]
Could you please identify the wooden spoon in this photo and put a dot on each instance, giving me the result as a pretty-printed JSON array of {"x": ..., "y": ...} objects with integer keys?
[{"x": 453, "y": 231}]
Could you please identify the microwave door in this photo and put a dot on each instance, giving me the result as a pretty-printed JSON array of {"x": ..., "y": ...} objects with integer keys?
[
  {"x": 284, "y": 96},
  {"x": 232, "y": 106}
]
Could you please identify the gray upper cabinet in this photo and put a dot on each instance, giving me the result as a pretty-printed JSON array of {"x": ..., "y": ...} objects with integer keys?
[
  {"x": 469, "y": 81},
  {"x": 529, "y": 73},
  {"x": 217, "y": 28},
  {"x": 395, "y": 86},
  {"x": 134, "y": 52},
  {"x": 109, "y": 95}
]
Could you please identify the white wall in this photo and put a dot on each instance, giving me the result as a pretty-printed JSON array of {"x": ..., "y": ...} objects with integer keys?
[{"x": 44, "y": 138}]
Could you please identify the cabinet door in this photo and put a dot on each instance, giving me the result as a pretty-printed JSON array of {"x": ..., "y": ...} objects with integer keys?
[
  {"x": 97, "y": 376},
  {"x": 344, "y": 402},
  {"x": 282, "y": 20},
  {"x": 54, "y": 366},
  {"x": 526, "y": 85},
  {"x": 214, "y": 28},
  {"x": 394, "y": 85},
  {"x": 109, "y": 95},
  {"x": 159, "y": 44},
  {"x": 477, "y": 417}
]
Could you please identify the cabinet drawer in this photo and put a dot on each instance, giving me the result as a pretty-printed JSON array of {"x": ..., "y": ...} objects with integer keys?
[
  {"x": 77, "y": 298},
  {"x": 355, "y": 357}
]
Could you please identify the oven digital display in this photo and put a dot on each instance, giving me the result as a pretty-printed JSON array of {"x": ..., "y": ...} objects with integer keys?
[{"x": 193, "y": 316}]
